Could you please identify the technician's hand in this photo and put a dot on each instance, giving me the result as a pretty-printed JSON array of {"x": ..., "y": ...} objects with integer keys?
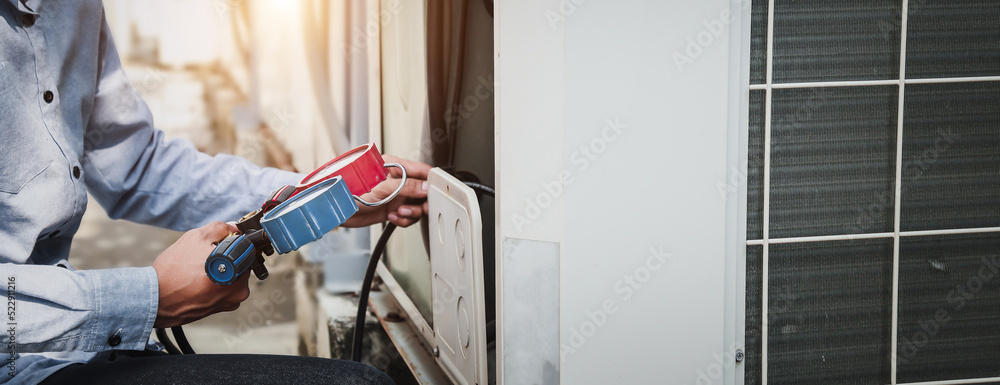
[
  {"x": 407, "y": 208},
  {"x": 186, "y": 293}
]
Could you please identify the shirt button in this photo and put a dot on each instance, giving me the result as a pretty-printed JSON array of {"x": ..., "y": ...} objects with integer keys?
[
  {"x": 48, "y": 96},
  {"x": 116, "y": 338},
  {"x": 27, "y": 20},
  {"x": 76, "y": 172}
]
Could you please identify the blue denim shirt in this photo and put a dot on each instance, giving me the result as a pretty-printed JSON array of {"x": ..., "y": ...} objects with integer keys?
[{"x": 70, "y": 123}]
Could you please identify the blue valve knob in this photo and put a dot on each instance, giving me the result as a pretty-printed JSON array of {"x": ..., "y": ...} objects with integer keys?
[{"x": 231, "y": 259}]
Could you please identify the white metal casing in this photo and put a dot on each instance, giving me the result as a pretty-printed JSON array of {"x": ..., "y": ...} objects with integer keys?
[{"x": 622, "y": 159}]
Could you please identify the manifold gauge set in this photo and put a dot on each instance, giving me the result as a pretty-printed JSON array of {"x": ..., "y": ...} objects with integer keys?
[{"x": 294, "y": 216}]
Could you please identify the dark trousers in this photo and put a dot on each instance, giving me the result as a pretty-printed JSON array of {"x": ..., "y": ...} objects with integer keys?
[{"x": 148, "y": 367}]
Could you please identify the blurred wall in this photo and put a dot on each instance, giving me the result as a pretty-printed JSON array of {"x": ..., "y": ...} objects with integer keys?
[{"x": 227, "y": 74}]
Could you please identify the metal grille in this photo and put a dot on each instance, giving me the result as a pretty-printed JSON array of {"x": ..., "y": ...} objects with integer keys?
[
  {"x": 873, "y": 192},
  {"x": 949, "y": 304}
]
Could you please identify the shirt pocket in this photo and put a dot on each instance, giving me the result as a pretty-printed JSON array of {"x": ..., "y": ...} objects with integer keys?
[
  {"x": 24, "y": 145},
  {"x": 16, "y": 173}
]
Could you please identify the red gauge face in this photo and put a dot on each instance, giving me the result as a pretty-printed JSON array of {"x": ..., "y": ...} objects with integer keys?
[
  {"x": 362, "y": 169},
  {"x": 330, "y": 169}
]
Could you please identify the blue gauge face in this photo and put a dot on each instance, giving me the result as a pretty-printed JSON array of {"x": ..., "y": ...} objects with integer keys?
[
  {"x": 300, "y": 199},
  {"x": 308, "y": 215}
]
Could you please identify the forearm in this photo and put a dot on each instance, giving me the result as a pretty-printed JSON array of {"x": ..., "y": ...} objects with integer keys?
[
  {"x": 54, "y": 309},
  {"x": 174, "y": 185}
]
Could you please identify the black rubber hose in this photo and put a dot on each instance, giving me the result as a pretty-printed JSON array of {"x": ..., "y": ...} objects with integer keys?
[
  {"x": 161, "y": 334},
  {"x": 481, "y": 188},
  {"x": 366, "y": 286},
  {"x": 182, "y": 340}
]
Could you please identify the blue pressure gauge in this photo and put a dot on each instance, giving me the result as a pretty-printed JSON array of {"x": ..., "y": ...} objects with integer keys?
[{"x": 309, "y": 214}]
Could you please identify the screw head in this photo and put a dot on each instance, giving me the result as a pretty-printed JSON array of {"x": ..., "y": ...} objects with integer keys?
[
  {"x": 739, "y": 355},
  {"x": 222, "y": 268}
]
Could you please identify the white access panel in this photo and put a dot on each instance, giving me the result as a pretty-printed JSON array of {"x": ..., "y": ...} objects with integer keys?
[
  {"x": 456, "y": 245},
  {"x": 612, "y": 122}
]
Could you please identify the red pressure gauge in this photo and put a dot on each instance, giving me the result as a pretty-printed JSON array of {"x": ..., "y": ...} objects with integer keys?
[{"x": 362, "y": 169}]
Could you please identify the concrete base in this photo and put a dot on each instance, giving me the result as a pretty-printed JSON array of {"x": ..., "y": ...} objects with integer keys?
[
  {"x": 335, "y": 334},
  {"x": 326, "y": 326}
]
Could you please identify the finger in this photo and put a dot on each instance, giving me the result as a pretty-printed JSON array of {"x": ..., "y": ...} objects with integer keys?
[
  {"x": 414, "y": 169},
  {"x": 216, "y": 230},
  {"x": 414, "y": 188},
  {"x": 410, "y": 211},
  {"x": 238, "y": 296},
  {"x": 243, "y": 294},
  {"x": 240, "y": 290},
  {"x": 401, "y": 221}
]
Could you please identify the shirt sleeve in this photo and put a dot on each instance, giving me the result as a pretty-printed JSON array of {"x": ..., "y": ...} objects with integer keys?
[
  {"x": 97, "y": 309},
  {"x": 136, "y": 174}
]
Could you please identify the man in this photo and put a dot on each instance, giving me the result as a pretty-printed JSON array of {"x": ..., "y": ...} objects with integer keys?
[{"x": 71, "y": 123}]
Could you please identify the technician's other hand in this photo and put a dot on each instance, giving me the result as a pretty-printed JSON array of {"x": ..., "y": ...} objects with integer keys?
[
  {"x": 407, "y": 208},
  {"x": 186, "y": 293}
]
